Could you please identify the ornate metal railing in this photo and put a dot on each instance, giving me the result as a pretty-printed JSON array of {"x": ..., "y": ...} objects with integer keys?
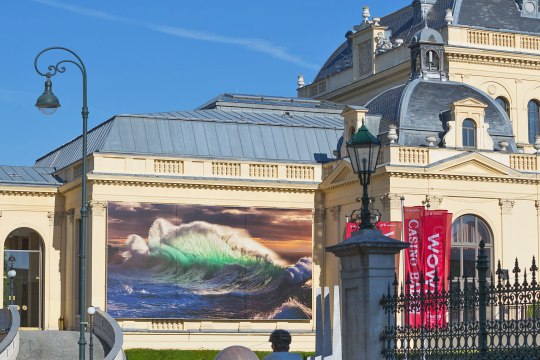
[{"x": 474, "y": 319}]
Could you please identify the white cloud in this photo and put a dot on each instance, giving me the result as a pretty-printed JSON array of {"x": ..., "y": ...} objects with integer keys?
[{"x": 252, "y": 44}]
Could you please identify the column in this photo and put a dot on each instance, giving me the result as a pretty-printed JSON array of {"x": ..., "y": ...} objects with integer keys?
[{"x": 367, "y": 267}]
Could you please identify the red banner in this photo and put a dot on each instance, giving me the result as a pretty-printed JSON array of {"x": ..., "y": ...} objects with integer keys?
[
  {"x": 413, "y": 218},
  {"x": 351, "y": 227},
  {"x": 435, "y": 261},
  {"x": 392, "y": 229}
]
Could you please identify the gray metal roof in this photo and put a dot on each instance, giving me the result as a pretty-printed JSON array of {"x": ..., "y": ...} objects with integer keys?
[
  {"x": 27, "y": 175},
  {"x": 494, "y": 14},
  {"x": 421, "y": 108},
  {"x": 404, "y": 23},
  {"x": 258, "y": 134}
]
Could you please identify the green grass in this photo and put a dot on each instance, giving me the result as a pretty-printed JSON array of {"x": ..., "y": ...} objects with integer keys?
[{"x": 149, "y": 354}]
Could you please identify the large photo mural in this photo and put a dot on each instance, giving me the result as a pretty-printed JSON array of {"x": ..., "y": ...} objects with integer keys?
[{"x": 208, "y": 262}]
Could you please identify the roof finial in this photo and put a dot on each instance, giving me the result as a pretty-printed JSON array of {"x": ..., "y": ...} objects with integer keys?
[{"x": 424, "y": 13}]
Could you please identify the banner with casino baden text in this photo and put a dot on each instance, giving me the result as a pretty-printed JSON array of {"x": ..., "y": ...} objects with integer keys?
[{"x": 427, "y": 258}]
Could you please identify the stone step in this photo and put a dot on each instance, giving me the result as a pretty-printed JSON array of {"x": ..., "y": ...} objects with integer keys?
[{"x": 55, "y": 345}]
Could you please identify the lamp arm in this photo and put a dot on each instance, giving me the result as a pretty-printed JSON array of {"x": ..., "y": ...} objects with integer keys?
[{"x": 57, "y": 68}]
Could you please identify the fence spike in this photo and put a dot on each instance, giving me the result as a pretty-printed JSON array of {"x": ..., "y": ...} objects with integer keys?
[
  {"x": 516, "y": 271},
  {"x": 533, "y": 270}
]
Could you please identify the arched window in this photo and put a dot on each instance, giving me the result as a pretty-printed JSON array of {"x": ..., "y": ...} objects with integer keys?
[
  {"x": 469, "y": 133},
  {"x": 501, "y": 100},
  {"x": 467, "y": 232},
  {"x": 432, "y": 60},
  {"x": 534, "y": 119}
]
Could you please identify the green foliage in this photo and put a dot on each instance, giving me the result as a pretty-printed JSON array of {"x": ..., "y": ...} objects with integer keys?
[{"x": 149, "y": 354}]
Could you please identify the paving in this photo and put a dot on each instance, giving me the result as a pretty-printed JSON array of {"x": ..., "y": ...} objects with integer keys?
[{"x": 54, "y": 345}]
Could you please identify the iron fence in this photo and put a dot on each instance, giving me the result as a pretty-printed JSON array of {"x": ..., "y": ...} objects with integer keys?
[{"x": 474, "y": 319}]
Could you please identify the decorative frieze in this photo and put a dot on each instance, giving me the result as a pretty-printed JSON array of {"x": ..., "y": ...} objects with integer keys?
[{"x": 506, "y": 206}]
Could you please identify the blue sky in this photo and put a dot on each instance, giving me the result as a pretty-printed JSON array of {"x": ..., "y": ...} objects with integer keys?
[{"x": 161, "y": 55}]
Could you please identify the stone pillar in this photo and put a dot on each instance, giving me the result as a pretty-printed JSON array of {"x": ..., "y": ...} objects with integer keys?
[{"x": 367, "y": 267}]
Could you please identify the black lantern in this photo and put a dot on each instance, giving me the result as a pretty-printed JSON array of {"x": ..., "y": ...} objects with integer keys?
[{"x": 363, "y": 149}]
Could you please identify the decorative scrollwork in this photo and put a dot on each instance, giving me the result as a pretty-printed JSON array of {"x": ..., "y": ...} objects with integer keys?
[{"x": 59, "y": 68}]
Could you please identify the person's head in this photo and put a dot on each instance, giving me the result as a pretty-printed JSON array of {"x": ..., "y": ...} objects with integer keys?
[{"x": 281, "y": 340}]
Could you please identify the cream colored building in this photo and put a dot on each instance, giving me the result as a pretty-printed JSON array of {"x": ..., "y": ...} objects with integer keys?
[
  {"x": 245, "y": 156},
  {"x": 453, "y": 95},
  {"x": 455, "y": 85}
]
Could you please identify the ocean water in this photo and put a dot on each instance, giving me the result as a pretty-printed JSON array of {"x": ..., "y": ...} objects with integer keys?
[{"x": 205, "y": 271}]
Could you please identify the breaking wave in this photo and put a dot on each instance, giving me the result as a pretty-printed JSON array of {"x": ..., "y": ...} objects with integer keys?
[{"x": 207, "y": 259}]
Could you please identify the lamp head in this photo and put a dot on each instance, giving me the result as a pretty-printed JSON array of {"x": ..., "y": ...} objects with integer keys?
[
  {"x": 363, "y": 149},
  {"x": 47, "y": 103},
  {"x": 91, "y": 310},
  {"x": 11, "y": 273}
]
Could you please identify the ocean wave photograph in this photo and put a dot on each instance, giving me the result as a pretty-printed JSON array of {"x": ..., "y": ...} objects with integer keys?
[{"x": 202, "y": 262}]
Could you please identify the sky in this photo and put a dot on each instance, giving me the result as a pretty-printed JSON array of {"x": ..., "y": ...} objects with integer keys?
[{"x": 161, "y": 55}]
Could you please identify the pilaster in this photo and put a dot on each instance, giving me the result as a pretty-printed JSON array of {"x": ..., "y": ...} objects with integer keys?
[
  {"x": 97, "y": 245},
  {"x": 506, "y": 228}
]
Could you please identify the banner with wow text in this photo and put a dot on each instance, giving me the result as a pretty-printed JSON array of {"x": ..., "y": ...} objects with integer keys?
[
  {"x": 427, "y": 262},
  {"x": 436, "y": 259}
]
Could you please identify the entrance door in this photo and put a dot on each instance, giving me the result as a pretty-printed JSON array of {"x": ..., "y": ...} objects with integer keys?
[{"x": 22, "y": 253}]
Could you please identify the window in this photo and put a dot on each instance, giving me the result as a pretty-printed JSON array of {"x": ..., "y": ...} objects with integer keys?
[
  {"x": 469, "y": 133},
  {"x": 534, "y": 119},
  {"x": 467, "y": 232},
  {"x": 501, "y": 100}
]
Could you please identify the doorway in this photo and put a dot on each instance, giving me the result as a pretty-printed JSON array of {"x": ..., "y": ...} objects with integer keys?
[{"x": 23, "y": 253}]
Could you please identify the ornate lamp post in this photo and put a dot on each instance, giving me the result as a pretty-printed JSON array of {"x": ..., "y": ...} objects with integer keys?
[
  {"x": 11, "y": 275},
  {"x": 363, "y": 149},
  {"x": 48, "y": 103}
]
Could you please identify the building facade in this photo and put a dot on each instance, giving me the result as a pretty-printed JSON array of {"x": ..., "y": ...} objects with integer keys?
[
  {"x": 208, "y": 227},
  {"x": 451, "y": 88}
]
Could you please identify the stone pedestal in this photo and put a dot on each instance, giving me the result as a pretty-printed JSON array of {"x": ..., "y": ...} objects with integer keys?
[{"x": 367, "y": 269}]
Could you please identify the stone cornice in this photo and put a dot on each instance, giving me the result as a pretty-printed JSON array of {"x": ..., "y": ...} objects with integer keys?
[
  {"x": 207, "y": 184},
  {"x": 462, "y": 177},
  {"x": 522, "y": 61},
  {"x": 27, "y": 191}
]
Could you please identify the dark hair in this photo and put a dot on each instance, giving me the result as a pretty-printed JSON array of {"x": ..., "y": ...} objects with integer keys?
[{"x": 281, "y": 339}]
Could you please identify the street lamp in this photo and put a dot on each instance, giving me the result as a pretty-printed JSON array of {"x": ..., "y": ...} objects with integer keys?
[
  {"x": 91, "y": 311},
  {"x": 11, "y": 275},
  {"x": 48, "y": 103},
  {"x": 363, "y": 149}
]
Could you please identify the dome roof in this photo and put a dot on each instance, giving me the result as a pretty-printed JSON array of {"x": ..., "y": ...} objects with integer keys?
[
  {"x": 422, "y": 108},
  {"x": 427, "y": 35}
]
